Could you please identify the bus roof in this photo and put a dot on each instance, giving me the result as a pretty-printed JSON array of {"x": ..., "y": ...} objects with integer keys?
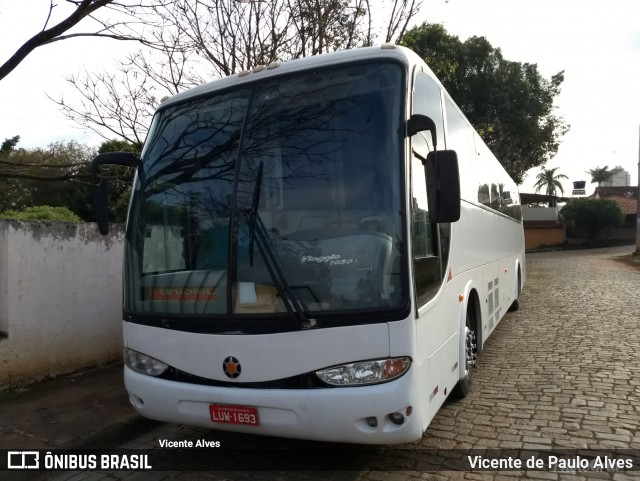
[{"x": 389, "y": 51}]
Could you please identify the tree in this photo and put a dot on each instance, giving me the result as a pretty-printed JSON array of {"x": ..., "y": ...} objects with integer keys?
[
  {"x": 203, "y": 39},
  {"x": 550, "y": 181},
  {"x": 601, "y": 174},
  {"x": 8, "y": 145},
  {"x": 509, "y": 103},
  {"x": 58, "y": 176},
  {"x": 85, "y": 13},
  {"x": 592, "y": 215},
  {"x": 118, "y": 145},
  {"x": 41, "y": 212}
]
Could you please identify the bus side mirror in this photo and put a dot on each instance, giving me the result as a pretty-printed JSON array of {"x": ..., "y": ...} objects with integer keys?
[
  {"x": 101, "y": 203},
  {"x": 102, "y": 206},
  {"x": 443, "y": 186}
]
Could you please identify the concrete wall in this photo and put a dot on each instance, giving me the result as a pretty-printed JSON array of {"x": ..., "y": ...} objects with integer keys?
[
  {"x": 612, "y": 234},
  {"x": 542, "y": 237},
  {"x": 60, "y": 299},
  {"x": 540, "y": 213},
  {"x": 541, "y": 234}
]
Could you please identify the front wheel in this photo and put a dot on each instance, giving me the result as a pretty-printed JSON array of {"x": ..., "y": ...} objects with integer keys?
[{"x": 470, "y": 354}]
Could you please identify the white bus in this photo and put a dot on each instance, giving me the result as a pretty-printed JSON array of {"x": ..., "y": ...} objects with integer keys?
[{"x": 316, "y": 249}]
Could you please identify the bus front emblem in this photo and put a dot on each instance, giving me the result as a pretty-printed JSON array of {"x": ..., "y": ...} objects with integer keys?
[{"x": 231, "y": 367}]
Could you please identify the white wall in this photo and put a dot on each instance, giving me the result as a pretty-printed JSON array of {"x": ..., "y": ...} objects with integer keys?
[
  {"x": 60, "y": 299},
  {"x": 540, "y": 213}
]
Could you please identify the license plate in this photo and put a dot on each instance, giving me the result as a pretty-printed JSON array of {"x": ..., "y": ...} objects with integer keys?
[{"x": 227, "y": 414}]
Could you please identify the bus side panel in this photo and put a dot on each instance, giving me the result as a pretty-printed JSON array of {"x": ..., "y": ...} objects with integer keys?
[
  {"x": 481, "y": 237},
  {"x": 495, "y": 243},
  {"x": 484, "y": 248},
  {"x": 438, "y": 338}
]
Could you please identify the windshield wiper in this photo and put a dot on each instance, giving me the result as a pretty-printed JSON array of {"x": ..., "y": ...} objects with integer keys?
[
  {"x": 258, "y": 235},
  {"x": 255, "y": 201}
]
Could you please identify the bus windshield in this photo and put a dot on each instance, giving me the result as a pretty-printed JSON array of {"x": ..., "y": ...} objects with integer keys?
[{"x": 271, "y": 196}]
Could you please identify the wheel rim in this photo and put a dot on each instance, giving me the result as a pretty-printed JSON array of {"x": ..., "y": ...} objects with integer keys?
[{"x": 470, "y": 350}]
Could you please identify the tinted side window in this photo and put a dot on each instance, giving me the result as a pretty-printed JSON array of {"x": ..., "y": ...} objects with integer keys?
[
  {"x": 426, "y": 101},
  {"x": 425, "y": 239}
]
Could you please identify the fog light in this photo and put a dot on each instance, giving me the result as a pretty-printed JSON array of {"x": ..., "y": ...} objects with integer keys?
[
  {"x": 396, "y": 418},
  {"x": 136, "y": 401},
  {"x": 372, "y": 421}
]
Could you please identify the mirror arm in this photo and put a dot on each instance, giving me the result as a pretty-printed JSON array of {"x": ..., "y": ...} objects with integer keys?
[
  {"x": 419, "y": 123},
  {"x": 128, "y": 159}
]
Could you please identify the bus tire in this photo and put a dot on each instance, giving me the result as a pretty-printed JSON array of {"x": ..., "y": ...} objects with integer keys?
[
  {"x": 516, "y": 303},
  {"x": 463, "y": 387}
]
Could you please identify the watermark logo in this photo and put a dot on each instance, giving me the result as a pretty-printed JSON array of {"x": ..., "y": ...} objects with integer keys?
[{"x": 23, "y": 460}]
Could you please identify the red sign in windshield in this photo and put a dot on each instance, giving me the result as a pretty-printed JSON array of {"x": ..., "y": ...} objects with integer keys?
[{"x": 181, "y": 294}]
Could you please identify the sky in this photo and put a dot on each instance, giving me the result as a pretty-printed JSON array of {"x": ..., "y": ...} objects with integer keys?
[{"x": 596, "y": 43}]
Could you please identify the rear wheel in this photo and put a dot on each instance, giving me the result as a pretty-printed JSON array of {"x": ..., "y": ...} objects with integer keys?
[
  {"x": 470, "y": 354},
  {"x": 516, "y": 304}
]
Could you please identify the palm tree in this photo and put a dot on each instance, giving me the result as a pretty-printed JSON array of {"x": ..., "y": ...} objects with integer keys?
[
  {"x": 549, "y": 180},
  {"x": 601, "y": 174}
]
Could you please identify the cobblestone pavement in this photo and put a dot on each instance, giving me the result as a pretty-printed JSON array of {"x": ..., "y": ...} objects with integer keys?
[{"x": 562, "y": 372}]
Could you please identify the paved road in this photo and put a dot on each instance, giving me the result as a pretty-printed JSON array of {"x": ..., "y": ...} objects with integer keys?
[{"x": 563, "y": 372}]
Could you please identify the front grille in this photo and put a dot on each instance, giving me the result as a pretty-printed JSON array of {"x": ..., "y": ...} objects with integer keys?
[{"x": 302, "y": 381}]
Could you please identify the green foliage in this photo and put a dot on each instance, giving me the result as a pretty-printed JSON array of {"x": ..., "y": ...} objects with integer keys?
[
  {"x": 57, "y": 175},
  {"x": 118, "y": 145},
  {"x": 41, "y": 212},
  {"x": 60, "y": 176},
  {"x": 120, "y": 179},
  {"x": 9, "y": 144},
  {"x": 120, "y": 208},
  {"x": 509, "y": 103},
  {"x": 592, "y": 215}
]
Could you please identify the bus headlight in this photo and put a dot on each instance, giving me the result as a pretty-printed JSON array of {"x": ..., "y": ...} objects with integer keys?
[
  {"x": 365, "y": 372},
  {"x": 144, "y": 364}
]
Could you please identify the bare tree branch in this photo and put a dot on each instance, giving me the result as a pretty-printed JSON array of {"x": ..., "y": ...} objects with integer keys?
[
  {"x": 84, "y": 9},
  {"x": 194, "y": 40},
  {"x": 402, "y": 12}
]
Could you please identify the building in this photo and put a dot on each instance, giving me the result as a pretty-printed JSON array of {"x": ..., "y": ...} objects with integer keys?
[
  {"x": 627, "y": 199},
  {"x": 542, "y": 227},
  {"x": 621, "y": 178}
]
